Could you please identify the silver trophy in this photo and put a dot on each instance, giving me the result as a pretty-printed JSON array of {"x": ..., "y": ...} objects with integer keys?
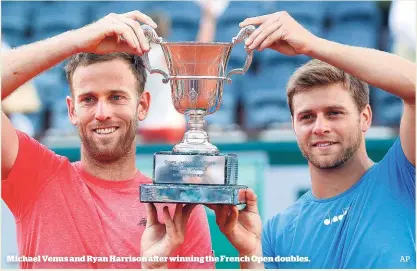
[{"x": 194, "y": 171}]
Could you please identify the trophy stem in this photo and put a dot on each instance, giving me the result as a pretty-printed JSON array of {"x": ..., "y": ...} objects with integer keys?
[
  {"x": 196, "y": 140},
  {"x": 196, "y": 121}
]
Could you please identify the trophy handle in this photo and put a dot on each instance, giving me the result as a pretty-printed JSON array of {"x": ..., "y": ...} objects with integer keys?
[
  {"x": 151, "y": 35},
  {"x": 243, "y": 34}
]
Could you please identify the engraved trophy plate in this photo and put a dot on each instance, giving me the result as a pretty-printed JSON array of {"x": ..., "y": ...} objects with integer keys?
[
  {"x": 195, "y": 171},
  {"x": 183, "y": 168}
]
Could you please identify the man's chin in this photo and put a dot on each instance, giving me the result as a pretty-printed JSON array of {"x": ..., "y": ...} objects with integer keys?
[
  {"x": 106, "y": 149},
  {"x": 106, "y": 153},
  {"x": 106, "y": 156},
  {"x": 327, "y": 163}
]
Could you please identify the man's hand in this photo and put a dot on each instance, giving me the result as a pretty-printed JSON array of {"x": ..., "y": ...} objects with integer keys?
[
  {"x": 115, "y": 33},
  {"x": 280, "y": 32},
  {"x": 242, "y": 228},
  {"x": 163, "y": 239}
]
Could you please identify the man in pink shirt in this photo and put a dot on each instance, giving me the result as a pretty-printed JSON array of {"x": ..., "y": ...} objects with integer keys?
[{"x": 87, "y": 214}]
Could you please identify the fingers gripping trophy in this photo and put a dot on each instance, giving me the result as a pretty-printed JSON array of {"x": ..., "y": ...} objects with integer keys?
[{"x": 194, "y": 171}]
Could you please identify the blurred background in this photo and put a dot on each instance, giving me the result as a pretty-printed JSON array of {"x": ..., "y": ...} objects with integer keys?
[{"x": 254, "y": 119}]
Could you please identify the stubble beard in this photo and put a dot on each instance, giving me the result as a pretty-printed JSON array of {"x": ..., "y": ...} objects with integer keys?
[
  {"x": 341, "y": 158},
  {"x": 113, "y": 153}
]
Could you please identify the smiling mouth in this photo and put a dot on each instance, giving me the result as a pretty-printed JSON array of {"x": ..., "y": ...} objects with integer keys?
[
  {"x": 105, "y": 131},
  {"x": 324, "y": 144}
]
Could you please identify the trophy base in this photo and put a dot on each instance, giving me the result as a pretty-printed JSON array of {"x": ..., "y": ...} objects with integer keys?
[{"x": 192, "y": 193}]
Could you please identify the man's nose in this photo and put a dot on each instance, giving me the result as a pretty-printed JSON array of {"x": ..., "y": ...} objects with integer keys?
[
  {"x": 321, "y": 125},
  {"x": 103, "y": 112}
]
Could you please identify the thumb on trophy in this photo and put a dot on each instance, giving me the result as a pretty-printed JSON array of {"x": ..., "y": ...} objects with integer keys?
[{"x": 251, "y": 201}]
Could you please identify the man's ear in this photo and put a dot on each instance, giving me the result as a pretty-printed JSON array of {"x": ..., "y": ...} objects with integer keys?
[
  {"x": 71, "y": 111},
  {"x": 143, "y": 105},
  {"x": 366, "y": 118}
]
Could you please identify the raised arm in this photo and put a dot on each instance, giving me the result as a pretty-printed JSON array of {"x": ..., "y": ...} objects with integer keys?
[
  {"x": 380, "y": 69},
  {"x": 280, "y": 32},
  {"x": 113, "y": 33}
]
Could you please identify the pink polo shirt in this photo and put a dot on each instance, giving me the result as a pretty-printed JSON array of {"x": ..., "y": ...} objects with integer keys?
[{"x": 62, "y": 211}]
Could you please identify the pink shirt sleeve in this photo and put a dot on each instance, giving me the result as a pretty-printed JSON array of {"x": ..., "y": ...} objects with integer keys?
[
  {"x": 197, "y": 241},
  {"x": 33, "y": 168}
]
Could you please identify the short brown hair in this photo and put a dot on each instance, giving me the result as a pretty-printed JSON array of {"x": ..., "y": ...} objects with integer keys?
[
  {"x": 84, "y": 59},
  {"x": 318, "y": 73}
]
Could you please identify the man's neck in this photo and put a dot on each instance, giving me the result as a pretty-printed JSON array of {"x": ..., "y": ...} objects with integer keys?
[
  {"x": 328, "y": 183},
  {"x": 119, "y": 170}
]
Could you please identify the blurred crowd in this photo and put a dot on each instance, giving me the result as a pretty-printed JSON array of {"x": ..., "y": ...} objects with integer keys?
[{"x": 254, "y": 102}]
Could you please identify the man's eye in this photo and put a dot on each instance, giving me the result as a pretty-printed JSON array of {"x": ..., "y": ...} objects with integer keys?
[
  {"x": 306, "y": 117},
  {"x": 88, "y": 99},
  {"x": 334, "y": 113},
  {"x": 116, "y": 97}
]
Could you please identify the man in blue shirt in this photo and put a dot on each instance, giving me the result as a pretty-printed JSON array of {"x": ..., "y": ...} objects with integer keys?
[{"x": 358, "y": 214}]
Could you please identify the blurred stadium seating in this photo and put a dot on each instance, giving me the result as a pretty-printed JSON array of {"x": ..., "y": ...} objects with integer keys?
[
  {"x": 253, "y": 102},
  {"x": 15, "y": 22},
  {"x": 354, "y": 23}
]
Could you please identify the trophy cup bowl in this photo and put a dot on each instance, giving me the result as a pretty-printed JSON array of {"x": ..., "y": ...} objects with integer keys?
[{"x": 195, "y": 171}]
